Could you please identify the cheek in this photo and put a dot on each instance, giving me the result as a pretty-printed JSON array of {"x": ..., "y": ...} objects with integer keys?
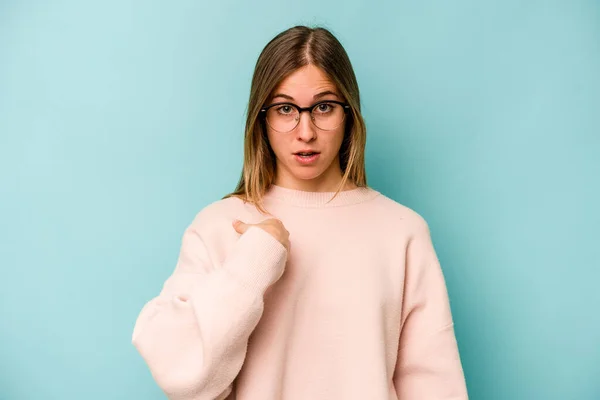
[
  {"x": 277, "y": 143},
  {"x": 335, "y": 140}
]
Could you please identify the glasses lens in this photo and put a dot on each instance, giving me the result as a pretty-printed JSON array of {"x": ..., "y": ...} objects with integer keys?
[
  {"x": 328, "y": 116},
  {"x": 282, "y": 118}
]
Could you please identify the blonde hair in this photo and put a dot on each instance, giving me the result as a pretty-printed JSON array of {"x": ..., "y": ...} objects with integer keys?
[{"x": 284, "y": 54}]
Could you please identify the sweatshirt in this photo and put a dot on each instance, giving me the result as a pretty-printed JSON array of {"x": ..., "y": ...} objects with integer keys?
[{"x": 357, "y": 309}]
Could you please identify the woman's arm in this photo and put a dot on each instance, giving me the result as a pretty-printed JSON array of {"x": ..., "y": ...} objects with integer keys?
[
  {"x": 428, "y": 365},
  {"x": 194, "y": 335}
]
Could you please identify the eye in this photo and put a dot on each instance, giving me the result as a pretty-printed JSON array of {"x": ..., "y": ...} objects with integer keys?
[
  {"x": 285, "y": 109},
  {"x": 324, "y": 108}
]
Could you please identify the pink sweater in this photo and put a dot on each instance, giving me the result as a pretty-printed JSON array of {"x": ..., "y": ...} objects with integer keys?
[{"x": 358, "y": 309}]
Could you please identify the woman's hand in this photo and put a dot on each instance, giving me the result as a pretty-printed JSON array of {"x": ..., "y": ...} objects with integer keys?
[{"x": 272, "y": 226}]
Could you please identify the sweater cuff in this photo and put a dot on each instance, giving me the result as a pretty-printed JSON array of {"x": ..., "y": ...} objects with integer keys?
[{"x": 257, "y": 260}]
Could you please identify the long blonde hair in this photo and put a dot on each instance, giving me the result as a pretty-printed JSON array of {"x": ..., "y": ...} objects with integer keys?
[{"x": 284, "y": 54}]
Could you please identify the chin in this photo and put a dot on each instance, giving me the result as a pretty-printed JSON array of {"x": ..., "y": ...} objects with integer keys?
[{"x": 307, "y": 174}]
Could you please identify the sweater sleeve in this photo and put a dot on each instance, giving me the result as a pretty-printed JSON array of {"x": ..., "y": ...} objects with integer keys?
[
  {"x": 194, "y": 335},
  {"x": 428, "y": 364}
]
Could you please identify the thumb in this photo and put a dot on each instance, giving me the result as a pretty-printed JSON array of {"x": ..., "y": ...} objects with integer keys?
[{"x": 239, "y": 226}]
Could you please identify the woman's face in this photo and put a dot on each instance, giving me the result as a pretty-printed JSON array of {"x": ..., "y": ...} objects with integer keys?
[{"x": 321, "y": 172}]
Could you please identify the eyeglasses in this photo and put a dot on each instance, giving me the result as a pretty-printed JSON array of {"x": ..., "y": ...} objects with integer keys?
[{"x": 326, "y": 115}]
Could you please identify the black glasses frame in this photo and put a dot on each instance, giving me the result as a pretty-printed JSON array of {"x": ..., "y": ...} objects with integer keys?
[{"x": 263, "y": 111}]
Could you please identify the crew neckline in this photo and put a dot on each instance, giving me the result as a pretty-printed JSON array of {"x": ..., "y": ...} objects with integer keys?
[{"x": 301, "y": 198}]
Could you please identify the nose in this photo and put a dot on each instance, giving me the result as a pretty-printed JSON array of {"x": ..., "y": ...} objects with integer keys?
[{"x": 306, "y": 130}]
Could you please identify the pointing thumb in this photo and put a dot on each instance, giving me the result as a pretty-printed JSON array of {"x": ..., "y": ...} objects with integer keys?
[{"x": 239, "y": 226}]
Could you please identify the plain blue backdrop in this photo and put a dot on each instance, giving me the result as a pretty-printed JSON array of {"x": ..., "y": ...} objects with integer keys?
[{"x": 120, "y": 120}]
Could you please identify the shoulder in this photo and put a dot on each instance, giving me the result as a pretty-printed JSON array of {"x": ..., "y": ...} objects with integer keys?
[
  {"x": 218, "y": 212},
  {"x": 218, "y": 216},
  {"x": 212, "y": 224},
  {"x": 397, "y": 212}
]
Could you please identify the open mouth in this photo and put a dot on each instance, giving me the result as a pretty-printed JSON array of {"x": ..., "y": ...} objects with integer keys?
[
  {"x": 307, "y": 154},
  {"x": 307, "y": 157}
]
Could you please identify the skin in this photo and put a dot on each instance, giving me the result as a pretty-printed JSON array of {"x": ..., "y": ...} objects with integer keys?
[
  {"x": 304, "y": 87},
  {"x": 272, "y": 226}
]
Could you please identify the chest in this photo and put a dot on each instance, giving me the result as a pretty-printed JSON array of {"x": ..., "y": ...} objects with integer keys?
[{"x": 340, "y": 270}]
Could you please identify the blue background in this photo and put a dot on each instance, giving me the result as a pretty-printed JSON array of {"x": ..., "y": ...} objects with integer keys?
[{"x": 120, "y": 120}]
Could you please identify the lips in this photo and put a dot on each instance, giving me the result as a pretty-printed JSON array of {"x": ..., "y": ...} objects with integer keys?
[
  {"x": 307, "y": 157},
  {"x": 306, "y": 153}
]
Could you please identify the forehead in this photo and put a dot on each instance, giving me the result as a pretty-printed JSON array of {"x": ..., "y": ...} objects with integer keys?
[{"x": 305, "y": 82}]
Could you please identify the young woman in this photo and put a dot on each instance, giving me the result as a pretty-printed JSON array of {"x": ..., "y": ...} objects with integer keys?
[{"x": 304, "y": 283}]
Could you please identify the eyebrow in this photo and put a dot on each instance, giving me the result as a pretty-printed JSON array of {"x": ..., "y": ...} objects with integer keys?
[{"x": 315, "y": 97}]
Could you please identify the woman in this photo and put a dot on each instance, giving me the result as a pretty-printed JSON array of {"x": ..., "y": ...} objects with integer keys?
[{"x": 304, "y": 283}]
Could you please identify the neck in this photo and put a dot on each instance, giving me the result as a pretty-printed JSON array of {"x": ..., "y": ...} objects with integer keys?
[
  {"x": 329, "y": 181},
  {"x": 331, "y": 185},
  {"x": 313, "y": 199}
]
